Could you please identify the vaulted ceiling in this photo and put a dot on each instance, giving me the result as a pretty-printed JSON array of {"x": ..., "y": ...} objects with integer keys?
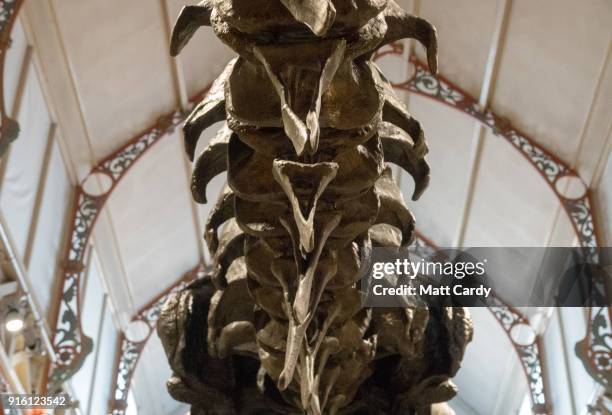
[{"x": 544, "y": 65}]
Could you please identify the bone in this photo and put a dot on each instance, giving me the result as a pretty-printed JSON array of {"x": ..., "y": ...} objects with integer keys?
[
  {"x": 220, "y": 213},
  {"x": 393, "y": 211},
  {"x": 314, "y": 123},
  {"x": 402, "y": 25},
  {"x": 319, "y": 174},
  {"x": 396, "y": 113},
  {"x": 228, "y": 253},
  {"x": 190, "y": 19},
  {"x": 295, "y": 128},
  {"x": 302, "y": 313},
  {"x": 330, "y": 346},
  {"x": 209, "y": 111},
  {"x": 329, "y": 71},
  {"x": 399, "y": 150},
  {"x": 235, "y": 335},
  {"x": 304, "y": 134},
  {"x": 211, "y": 162},
  {"x": 318, "y": 15}
]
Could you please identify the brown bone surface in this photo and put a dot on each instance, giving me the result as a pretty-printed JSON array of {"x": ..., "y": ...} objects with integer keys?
[{"x": 310, "y": 125}]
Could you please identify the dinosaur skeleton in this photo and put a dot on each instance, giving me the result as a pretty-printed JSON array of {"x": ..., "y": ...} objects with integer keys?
[{"x": 310, "y": 125}]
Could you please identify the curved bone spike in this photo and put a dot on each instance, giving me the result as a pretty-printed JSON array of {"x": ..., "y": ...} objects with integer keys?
[
  {"x": 396, "y": 113},
  {"x": 211, "y": 333},
  {"x": 401, "y": 25},
  {"x": 398, "y": 116},
  {"x": 294, "y": 341},
  {"x": 285, "y": 172},
  {"x": 304, "y": 134},
  {"x": 221, "y": 212},
  {"x": 318, "y": 15},
  {"x": 333, "y": 377},
  {"x": 336, "y": 403},
  {"x": 211, "y": 162},
  {"x": 227, "y": 254},
  {"x": 235, "y": 334},
  {"x": 209, "y": 111},
  {"x": 398, "y": 149},
  {"x": 330, "y": 346},
  {"x": 189, "y": 21},
  {"x": 393, "y": 210},
  {"x": 303, "y": 310}
]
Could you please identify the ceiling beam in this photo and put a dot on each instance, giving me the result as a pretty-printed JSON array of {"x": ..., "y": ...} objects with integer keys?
[
  {"x": 486, "y": 93},
  {"x": 40, "y": 192}
]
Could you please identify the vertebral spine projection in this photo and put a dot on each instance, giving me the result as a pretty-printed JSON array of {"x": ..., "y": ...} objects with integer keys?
[{"x": 310, "y": 125}]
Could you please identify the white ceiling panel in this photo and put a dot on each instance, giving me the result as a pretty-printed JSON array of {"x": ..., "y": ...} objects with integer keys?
[
  {"x": 464, "y": 36},
  {"x": 151, "y": 211},
  {"x": 513, "y": 205},
  {"x": 549, "y": 68},
  {"x": 488, "y": 368},
  {"x": 118, "y": 54},
  {"x": 449, "y": 134}
]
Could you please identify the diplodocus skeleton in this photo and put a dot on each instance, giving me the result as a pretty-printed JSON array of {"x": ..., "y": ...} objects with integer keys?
[{"x": 310, "y": 125}]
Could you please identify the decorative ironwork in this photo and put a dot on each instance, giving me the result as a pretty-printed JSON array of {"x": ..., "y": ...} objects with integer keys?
[
  {"x": 601, "y": 406},
  {"x": 9, "y": 129},
  {"x": 129, "y": 351},
  {"x": 595, "y": 350},
  {"x": 529, "y": 355},
  {"x": 70, "y": 343},
  {"x": 550, "y": 167}
]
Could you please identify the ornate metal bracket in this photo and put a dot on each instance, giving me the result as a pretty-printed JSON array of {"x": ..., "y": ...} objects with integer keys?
[
  {"x": 69, "y": 341},
  {"x": 595, "y": 350},
  {"x": 9, "y": 129}
]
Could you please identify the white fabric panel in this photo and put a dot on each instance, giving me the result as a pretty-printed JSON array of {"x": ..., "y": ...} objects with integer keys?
[
  {"x": 153, "y": 219},
  {"x": 92, "y": 307},
  {"x": 555, "y": 367},
  {"x": 485, "y": 367},
  {"x": 18, "y": 190},
  {"x": 103, "y": 381},
  {"x": 117, "y": 283},
  {"x": 548, "y": 73},
  {"x": 575, "y": 329},
  {"x": 149, "y": 384},
  {"x": 13, "y": 65},
  {"x": 464, "y": 30},
  {"x": 513, "y": 204},
  {"x": 119, "y": 54},
  {"x": 50, "y": 237},
  {"x": 449, "y": 134}
]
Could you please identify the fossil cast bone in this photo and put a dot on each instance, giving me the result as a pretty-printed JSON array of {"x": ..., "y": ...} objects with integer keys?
[{"x": 310, "y": 125}]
